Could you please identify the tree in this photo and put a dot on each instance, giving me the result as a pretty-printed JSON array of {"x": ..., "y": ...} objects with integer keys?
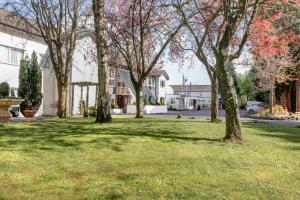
[
  {"x": 141, "y": 31},
  {"x": 194, "y": 39},
  {"x": 222, "y": 30},
  {"x": 272, "y": 39},
  {"x": 30, "y": 83},
  {"x": 57, "y": 23},
  {"x": 272, "y": 71},
  {"x": 23, "y": 77},
  {"x": 246, "y": 85},
  {"x": 103, "y": 107}
]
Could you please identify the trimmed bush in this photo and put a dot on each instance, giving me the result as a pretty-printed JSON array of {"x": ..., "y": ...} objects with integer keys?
[{"x": 4, "y": 90}]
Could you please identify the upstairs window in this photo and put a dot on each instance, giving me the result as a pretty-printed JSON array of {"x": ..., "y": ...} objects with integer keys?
[
  {"x": 15, "y": 56},
  {"x": 112, "y": 75},
  {"x": 4, "y": 54},
  {"x": 10, "y": 55}
]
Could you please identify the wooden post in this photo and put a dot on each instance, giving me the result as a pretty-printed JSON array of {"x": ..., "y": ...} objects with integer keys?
[
  {"x": 87, "y": 98},
  {"x": 81, "y": 100},
  {"x": 72, "y": 99},
  {"x": 96, "y": 100}
]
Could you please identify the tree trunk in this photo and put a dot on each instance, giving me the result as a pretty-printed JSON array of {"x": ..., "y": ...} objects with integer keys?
[
  {"x": 214, "y": 101},
  {"x": 103, "y": 107},
  {"x": 228, "y": 93},
  {"x": 139, "y": 103},
  {"x": 271, "y": 100},
  {"x": 62, "y": 99}
]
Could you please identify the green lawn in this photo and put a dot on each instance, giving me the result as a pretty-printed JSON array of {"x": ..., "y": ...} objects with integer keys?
[{"x": 147, "y": 159}]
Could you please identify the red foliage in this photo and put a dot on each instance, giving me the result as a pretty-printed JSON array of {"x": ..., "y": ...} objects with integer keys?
[{"x": 270, "y": 36}]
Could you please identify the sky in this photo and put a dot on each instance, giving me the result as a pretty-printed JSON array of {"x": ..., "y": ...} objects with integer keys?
[{"x": 196, "y": 74}]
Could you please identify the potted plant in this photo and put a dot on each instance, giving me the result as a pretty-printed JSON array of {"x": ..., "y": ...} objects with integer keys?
[
  {"x": 6, "y": 101},
  {"x": 30, "y": 85}
]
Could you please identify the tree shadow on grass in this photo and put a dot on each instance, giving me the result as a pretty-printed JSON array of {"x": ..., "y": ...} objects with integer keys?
[
  {"x": 290, "y": 134},
  {"x": 69, "y": 133}
]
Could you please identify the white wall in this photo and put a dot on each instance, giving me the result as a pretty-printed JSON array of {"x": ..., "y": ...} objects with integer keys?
[{"x": 10, "y": 73}]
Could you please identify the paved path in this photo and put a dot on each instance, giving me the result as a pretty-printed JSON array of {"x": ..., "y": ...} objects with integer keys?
[{"x": 205, "y": 115}]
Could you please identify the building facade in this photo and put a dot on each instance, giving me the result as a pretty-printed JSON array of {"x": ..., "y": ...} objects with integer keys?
[
  {"x": 16, "y": 41},
  {"x": 84, "y": 80},
  {"x": 189, "y": 97}
]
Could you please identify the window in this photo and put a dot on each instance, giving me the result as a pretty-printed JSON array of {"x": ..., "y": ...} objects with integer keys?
[
  {"x": 112, "y": 73},
  {"x": 151, "y": 84},
  {"x": 162, "y": 83},
  {"x": 15, "y": 56},
  {"x": 121, "y": 84},
  {"x": 111, "y": 82},
  {"x": 4, "y": 54},
  {"x": 172, "y": 101},
  {"x": 191, "y": 102},
  {"x": 10, "y": 55}
]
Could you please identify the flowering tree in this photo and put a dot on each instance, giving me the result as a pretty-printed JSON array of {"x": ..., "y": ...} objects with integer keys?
[
  {"x": 141, "y": 31},
  {"x": 220, "y": 30},
  {"x": 270, "y": 71},
  {"x": 272, "y": 41},
  {"x": 192, "y": 38}
]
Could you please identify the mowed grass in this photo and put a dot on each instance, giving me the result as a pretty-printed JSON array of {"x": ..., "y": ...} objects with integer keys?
[{"x": 147, "y": 159}]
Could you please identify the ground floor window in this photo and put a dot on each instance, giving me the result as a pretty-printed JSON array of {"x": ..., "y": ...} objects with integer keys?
[{"x": 172, "y": 101}]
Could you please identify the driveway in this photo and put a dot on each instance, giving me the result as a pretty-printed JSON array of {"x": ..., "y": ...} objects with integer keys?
[
  {"x": 205, "y": 115},
  {"x": 198, "y": 113}
]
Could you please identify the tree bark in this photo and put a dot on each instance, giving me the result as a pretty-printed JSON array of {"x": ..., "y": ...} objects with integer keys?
[
  {"x": 271, "y": 100},
  {"x": 214, "y": 101},
  {"x": 62, "y": 99},
  {"x": 103, "y": 107},
  {"x": 139, "y": 103},
  {"x": 228, "y": 93}
]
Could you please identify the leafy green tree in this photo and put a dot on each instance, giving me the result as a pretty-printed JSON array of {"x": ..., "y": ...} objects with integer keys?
[
  {"x": 30, "y": 83},
  {"x": 246, "y": 85},
  {"x": 23, "y": 77},
  {"x": 35, "y": 80}
]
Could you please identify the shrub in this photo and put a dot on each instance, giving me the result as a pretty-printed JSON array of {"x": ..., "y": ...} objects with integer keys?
[
  {"x": 112, "y": 106},
  {"x": 30, "y": 83},
  {"x": 278, "y": 113},
  {"x": 92, "y": 111},
  {"x": 4, "y": 90}
]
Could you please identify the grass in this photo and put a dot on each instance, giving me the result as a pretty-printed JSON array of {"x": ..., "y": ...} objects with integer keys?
[{"x": 147, "y": 159}]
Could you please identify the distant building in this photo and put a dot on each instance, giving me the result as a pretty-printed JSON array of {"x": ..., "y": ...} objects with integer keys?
[{"x": 189, "y": 97}]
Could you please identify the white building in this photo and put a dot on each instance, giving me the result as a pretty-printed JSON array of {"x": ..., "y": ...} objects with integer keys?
[
  {"x": 189, "y": 97},
  {"x": 16, "y": 41},
  {"x": 84, "y": 79}
]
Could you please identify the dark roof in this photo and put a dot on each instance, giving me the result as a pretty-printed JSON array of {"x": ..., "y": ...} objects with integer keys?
[
  {"x": 14, "y": 25},
  {"x": 192, "y": 88}
]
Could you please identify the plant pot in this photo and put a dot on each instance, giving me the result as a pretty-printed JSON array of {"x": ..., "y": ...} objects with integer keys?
[
  {"x": 29, "y": 113},
  {"x": 5, "y": 106}
]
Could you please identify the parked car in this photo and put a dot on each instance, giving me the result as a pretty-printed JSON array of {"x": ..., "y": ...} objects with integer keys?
[{"x": 254, "y": 106}]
